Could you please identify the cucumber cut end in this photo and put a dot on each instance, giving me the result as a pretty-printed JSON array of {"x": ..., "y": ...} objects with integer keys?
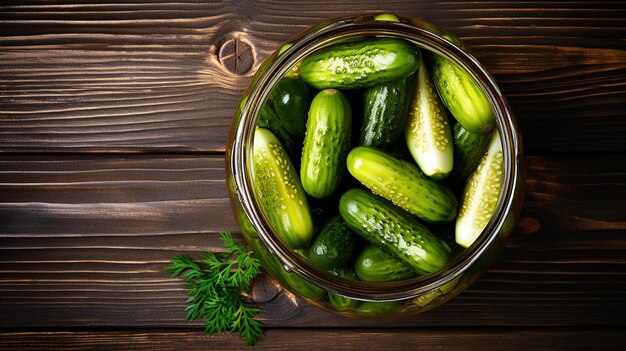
[
  {"x": 466, "y": 233},
  {"x": 439, "y": 174}
]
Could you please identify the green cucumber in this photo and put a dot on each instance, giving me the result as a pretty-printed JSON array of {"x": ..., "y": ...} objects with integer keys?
[
  {"x": 386, "y": 108},
  {"x": 279, "y": 191},
  {"x": 427, "y": 134},
  {"x": 462, "y": 96},
  {"x": 428, "y": 297},
  {"x": 393, "y": 230},
  {"x": 334, "y": 245},
  {"x": 341, "y": 303},
  {"x": 285, "y": 114},
  {"x": 449, "y": 286},
  {"x": 284, "y": 48},
  {"x": 456, "y": 41},
  {"x": 302, "y": 287},
  {"x": 468, "y": 150},
  {"x": 389, "y": 17},
  {"x": 295, "y": 69},
  {"x": 481, "y": 194},
  {"x": 291, "y": 281},
  {"x": 378, "y": 308},
  {"x": 376, "y": 265},
  {"x": 402, "y": 183},
  {"x": 345, "y": 271},
  {"x": 360, "y": 64},
  {"x": 326, "y": 143},
  {"x": 268, "y": 119},
  {"x": 244, "y": 223},
  {"x": 290, "y": 98}
]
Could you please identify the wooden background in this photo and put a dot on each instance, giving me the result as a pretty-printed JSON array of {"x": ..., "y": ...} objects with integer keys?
[{"x": 113, "y": 121}]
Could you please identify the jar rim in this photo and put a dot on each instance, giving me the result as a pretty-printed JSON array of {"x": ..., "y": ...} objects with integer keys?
[{"x": 423, "y": 35}]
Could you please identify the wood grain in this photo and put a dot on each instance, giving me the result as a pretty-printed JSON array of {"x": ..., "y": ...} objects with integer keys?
[
  {"x": 343, "y": 339},
  {"x": 147, "y": 77},
  {"x": 86, "y": 225},
  {"x": 83, "y": 242}
]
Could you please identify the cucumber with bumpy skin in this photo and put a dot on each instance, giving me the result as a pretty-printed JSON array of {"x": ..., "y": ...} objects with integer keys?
[
  {"x": 402, "y": 183},
  {"x": 360, "y": 64},
  {"x": 481, "y": 194},
  {"x": 268, "y": 119},
  {"x": 375, "y": 265},
  {"x": 386, "y": 108},
  {"x": 326, "y": 143},
  {"x": 290, "y": 99},
  {"x": 334, "y": 245},
  {"x": 468, "y": 149},
  {"x": 339, "y": 302},
  {"x": 393, "y": 230},
  {"x": 462, "y": 96},
  {"x": 279, "y": 190},
  {"x": 427, "y": 133},
  {"x": 285, "y": 114}
]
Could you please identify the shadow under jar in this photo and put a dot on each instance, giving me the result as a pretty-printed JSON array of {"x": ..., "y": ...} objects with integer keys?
[{"x": 354, "y": 297}]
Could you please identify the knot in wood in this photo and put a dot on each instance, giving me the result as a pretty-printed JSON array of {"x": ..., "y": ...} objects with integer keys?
[
  {"x": 528, "y": 225},
  {"x": 264, "y": 289},
  {"x": 236, "y": 56}
]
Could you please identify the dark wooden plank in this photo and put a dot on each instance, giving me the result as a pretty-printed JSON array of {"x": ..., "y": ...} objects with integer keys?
[
  {"x": 83, "y": 240},
  {"x": 67, "y": 197},
  {"x": 137, "y": 76},
  {"x": 334, "y": 339}
]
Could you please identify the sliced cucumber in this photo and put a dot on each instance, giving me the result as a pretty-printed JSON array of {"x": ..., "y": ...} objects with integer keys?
[
  {"x": 481, "y": 194},
  {"x": 279, "y": 190},
  {"x": 428, "y": 133}
]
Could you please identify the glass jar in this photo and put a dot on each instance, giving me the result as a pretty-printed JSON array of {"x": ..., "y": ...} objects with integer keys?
[{"x": 357, "y": 298}]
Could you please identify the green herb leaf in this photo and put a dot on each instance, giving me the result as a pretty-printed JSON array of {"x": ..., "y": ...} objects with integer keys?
[
  {"x": 244, "y": 322},
  {"x": 214, "y": 286}
]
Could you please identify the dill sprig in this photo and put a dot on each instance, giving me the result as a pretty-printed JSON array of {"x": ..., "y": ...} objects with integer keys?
[{"x": 215, "y": 285}]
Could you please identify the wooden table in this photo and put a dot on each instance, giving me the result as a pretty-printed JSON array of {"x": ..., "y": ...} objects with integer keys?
[{"x": 113, "y": 122}]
